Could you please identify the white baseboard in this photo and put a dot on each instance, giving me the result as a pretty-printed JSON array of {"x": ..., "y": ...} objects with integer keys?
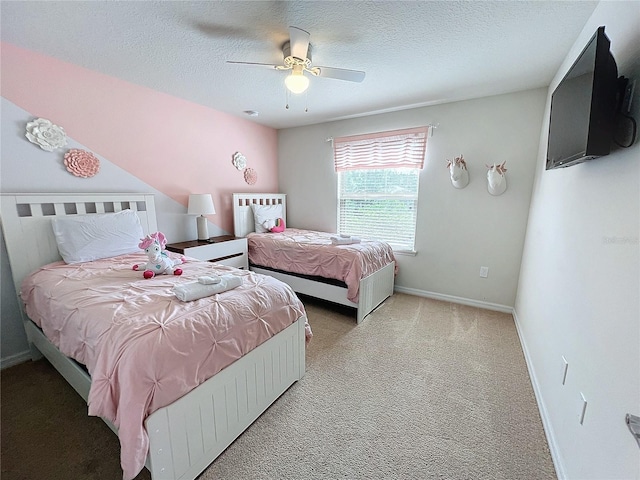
[
  {"x": 453, "y": 299},
  {"x": 546, "y": 423},
  {"x": 12, "y": 360}
]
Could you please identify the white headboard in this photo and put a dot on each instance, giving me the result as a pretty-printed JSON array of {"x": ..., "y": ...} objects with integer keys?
[
  {"x": 26, "y": 222},
  {"x": 243, "y": 215}
]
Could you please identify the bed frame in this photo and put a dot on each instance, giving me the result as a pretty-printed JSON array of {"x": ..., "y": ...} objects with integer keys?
[
  {"x": 373, "y": 290},
  {"x": 186, "y": 436}
]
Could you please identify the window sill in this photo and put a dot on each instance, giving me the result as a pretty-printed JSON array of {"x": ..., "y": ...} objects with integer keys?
[{"x": 410, "y": 253}]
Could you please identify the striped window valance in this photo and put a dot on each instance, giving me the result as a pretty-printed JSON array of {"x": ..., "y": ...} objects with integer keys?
[{"x": 394, "y": 149}]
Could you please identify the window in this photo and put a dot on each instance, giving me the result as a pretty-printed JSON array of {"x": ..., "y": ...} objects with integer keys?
[{"x": 378, "y": 179}]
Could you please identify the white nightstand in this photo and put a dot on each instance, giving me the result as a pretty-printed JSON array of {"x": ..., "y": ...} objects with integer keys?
[{"x": 227, "y": 250}]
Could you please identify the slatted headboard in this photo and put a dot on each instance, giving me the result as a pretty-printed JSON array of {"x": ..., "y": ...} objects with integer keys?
[
  {"x": 26, "y": 222},
  {"x": 243, "y": 223}
]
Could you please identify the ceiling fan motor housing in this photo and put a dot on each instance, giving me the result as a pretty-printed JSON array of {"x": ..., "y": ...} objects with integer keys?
[{"x": 290, "y": 60}]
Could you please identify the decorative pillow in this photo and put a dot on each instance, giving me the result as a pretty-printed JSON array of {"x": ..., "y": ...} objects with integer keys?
[
  {"x": 262, "y": 213},
  {"x": 83, "y": 238}
]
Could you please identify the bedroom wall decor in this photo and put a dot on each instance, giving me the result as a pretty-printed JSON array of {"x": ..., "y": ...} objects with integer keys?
[
  {"x": 239, "y": 161},
  {"x": 45, "y": 134},
  {"x": 496, "y": 179},
  {"x": 458, "y": 172},
  {"x": 81, "y": 163},
  {"x": 250, "y": 176},
  {"x": 202, "y": 138}
]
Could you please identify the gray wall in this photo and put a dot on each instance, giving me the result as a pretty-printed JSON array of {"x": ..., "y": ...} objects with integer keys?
[
  {"x": 459, "y": 230},
  {"x": 580, "y": 285},
  {"x": 13, "y": 348}
]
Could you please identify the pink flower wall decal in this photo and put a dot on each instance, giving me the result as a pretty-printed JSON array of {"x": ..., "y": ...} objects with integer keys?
[
  {"x": 81, "y": 163},
  {"x": 250, "y": 176}
]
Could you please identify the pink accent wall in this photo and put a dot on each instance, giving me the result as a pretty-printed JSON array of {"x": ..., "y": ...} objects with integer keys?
[{"x": 175, "y": 146}]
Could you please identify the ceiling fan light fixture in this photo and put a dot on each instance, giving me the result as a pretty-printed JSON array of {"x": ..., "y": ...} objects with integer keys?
[
  {"x": 296, "y": 54},
  {"x": 297, "y": 82}
]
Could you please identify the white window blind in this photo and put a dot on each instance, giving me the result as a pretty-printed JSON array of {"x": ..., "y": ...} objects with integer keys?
[{"x": 378, "y": 180}]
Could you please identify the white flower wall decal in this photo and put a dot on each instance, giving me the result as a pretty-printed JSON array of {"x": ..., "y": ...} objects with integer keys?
[
  {"x": 239, "y": 161},
  {"x": 45, "y": 134}
]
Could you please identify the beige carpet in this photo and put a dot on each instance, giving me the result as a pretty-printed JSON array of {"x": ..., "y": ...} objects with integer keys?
[{"x": 422, "y": 389}]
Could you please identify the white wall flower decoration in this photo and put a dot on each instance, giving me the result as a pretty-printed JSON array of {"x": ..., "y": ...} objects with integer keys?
[
  {"x": 45, "y": 134},
  {"x": 239, "y": 161}
]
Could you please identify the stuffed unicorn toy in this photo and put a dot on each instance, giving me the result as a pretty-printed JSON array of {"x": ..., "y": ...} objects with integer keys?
[
  {"x": 159, "y": 262},
  {"x": 274, "y": 225}
]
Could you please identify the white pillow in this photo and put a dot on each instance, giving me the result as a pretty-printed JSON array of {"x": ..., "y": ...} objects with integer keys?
[
  {"x": 84, "y": 238},
  {"x": 262, "y": 213}
]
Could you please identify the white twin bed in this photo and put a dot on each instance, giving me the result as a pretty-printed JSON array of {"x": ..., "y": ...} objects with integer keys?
[
  {"x": 373, "y": 288},
  {"x": 186, "y": 435}
]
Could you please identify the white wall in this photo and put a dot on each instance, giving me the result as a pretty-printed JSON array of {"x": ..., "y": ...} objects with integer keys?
[
  {"x": 579, "y": 286},
  {"x": 459, "y": 230}
]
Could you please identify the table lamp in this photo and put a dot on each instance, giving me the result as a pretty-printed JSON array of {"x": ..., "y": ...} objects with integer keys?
[{"x": 201, "y": 204}]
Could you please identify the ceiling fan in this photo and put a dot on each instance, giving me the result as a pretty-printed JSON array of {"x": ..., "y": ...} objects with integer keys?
[{"x": 297, "y": 58}]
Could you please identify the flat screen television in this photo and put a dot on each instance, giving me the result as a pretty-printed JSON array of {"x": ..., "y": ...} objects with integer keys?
[{"x": 583, "y": 107}]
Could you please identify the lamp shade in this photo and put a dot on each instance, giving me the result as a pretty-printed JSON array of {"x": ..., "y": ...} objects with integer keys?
[{"x": 201, "y": 204}]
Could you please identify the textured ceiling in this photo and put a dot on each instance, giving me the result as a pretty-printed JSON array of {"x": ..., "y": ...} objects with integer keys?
[{"x": 414, "y": 53}]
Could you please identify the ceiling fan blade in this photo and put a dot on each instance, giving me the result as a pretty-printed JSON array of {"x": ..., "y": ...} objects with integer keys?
[
  {"x": 339, "y": 73},
  {"x": 299, "y": 42},
  {"x": 270, "y": 65}
]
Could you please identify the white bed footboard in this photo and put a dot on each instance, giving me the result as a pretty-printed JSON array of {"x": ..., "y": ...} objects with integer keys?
[
  {"x": 188, "y": 434},
  {"x": 374, "y": 289}
]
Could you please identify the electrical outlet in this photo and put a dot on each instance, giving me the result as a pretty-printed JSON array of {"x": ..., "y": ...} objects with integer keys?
[
  {"x": 484, "y": 272},
  {"x": 583, "y": 408},
  {"x": 565, "y": 369}
]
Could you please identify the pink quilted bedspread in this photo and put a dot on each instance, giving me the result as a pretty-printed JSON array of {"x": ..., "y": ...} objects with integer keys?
[
  {"x": 312, "y": 253},
  {"x": 143, "y": 347}
]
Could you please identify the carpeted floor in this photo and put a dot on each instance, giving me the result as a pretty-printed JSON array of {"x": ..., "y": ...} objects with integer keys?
[{"x": 423, "y": 389}]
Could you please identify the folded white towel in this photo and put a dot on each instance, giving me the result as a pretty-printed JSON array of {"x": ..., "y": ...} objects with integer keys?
[
  {"x": 196, "y": 290},
  {"x": 209, "y": 280},
  {"x": 344, "y": 241}
]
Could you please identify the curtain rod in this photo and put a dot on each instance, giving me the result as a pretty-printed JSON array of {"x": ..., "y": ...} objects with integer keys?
[{"x": 432, "y": 127}]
